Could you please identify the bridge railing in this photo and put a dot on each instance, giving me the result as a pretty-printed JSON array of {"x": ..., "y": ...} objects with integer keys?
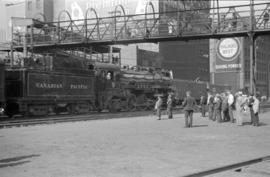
[{"x": 196, "y": 22}]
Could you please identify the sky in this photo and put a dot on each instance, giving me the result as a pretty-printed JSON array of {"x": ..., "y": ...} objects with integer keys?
[{"x": 240, "y": 2}]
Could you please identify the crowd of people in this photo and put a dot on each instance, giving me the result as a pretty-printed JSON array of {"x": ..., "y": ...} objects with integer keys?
[
  {"x": 232, "y": 107},
  {"x": 221, "y": 107}
]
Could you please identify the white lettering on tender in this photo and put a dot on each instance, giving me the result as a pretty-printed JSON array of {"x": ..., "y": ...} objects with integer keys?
[
  {"x": 78, "y": 86},
  {"x": 48, "y": 85}
]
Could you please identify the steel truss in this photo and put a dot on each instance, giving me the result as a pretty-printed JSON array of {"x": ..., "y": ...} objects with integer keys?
[{"x": 151, "y": 26}]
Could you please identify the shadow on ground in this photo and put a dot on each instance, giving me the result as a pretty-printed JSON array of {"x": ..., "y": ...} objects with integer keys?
[
  {"x": 199, "y": 125},
  {"x": 13, "y": 164},
  {"x": 14, "y": 161}
]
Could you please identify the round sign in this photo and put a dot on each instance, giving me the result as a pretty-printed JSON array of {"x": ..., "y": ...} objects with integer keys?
[{"x": 228, "y": 49}]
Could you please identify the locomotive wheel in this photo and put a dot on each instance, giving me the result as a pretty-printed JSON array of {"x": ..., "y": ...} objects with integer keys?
[
  {"x": 150, "y": 107},
  {"x": 131, "y": 104},
  {"x": 12, "y": 109},
  {"x": 99, "y": 109},
  {"x": 70, "y": 109},
  {"x": 144, "y": 108},
  {"x": 112, "y": 107}
]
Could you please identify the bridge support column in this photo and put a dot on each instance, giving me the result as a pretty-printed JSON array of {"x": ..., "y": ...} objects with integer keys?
[
  {"x": 252, "y": 81},
  {"x": 12, "y": 45},
  {"x": 252, "y": 84}
]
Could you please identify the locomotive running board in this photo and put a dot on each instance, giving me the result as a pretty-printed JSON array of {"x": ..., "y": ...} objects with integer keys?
[{"x": 237, "y": 167}]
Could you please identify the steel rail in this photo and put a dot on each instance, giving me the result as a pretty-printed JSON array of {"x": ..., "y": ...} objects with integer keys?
[
  {"x": 70, "y": 118},
  {"x": 235, "y": 166}
]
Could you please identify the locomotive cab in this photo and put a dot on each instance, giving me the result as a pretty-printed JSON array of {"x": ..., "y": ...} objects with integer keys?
[{"x": 108, "y": 89}]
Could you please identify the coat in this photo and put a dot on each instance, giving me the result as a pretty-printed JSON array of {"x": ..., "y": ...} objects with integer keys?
[
  {"x": 256, "y": 106},
  {"x": 189, "y": 103},
  {"x": 169, "y": 103},
  {"x": 158, "y": 104},
  {"x": 217, "y": 104},
  {"x": 225, "y": 105}
]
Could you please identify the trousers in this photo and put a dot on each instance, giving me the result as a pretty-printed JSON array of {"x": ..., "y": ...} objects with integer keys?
[
  {"x": 231, "y": 114},
  {"x": 203, "y": 110},
  {"x": 169, "y": 112},
  {"x": 188, "y": 118}
]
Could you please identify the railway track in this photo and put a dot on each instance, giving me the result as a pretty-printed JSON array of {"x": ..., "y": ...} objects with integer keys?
[
  {"x": 237, "y": 167},
  {"x": 28, "y": 121},
  {"x": 18, "y": 122}
]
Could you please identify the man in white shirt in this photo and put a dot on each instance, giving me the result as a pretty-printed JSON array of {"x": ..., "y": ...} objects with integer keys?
[{"x": 231, "y": 105}]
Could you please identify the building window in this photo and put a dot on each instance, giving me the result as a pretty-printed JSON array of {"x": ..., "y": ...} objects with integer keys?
[
  {"x": 29, "y": 5},
  {"x": 38, "y": 4}
]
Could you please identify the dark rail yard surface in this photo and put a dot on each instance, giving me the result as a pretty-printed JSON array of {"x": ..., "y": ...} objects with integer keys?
[
  {"x": 6, "y": 122},
  {"x": 18, "y": 121},
  {"x": 141, "y": 146}
]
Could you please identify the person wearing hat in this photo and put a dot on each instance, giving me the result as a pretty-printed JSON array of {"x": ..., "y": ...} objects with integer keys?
[
  {"x": 255, "y": 110},
  {"x": 189, "y": 106},
  {"x": 158, "y": 107},
  {"x": 210, "y": 103},
  {"x": 217, "y": 108},
  {"x": 224, "y": 108},
  {"x": 250, "y": 102},
  {"x": 240, "y": 106},
  {"x": 231, "y": 105},
  {"x": 203, "y": 104},
  {"x": 169, "y": 106}
]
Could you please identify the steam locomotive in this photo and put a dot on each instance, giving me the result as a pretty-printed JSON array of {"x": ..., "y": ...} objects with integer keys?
[{"x": 59, "y": 83}]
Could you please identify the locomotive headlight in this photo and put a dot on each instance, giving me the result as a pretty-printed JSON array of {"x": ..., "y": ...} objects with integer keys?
[{"x": 2, "y": 110}]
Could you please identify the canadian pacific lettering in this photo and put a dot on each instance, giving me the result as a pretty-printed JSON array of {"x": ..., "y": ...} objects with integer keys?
[
  {"x": 79, "y": 86},
  {"x": 48, "y": 85},
  {"x": 59, "y": 86}
]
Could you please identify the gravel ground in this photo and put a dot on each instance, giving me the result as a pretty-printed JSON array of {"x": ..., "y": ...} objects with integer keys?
[{"x": 133, "y": 147}]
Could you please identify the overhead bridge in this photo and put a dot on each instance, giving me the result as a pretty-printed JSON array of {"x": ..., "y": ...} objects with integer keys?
[{"x": 122, "y": 28}]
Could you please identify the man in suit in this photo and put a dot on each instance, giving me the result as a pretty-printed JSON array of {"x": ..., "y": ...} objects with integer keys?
[
  {"x": 255, "y": 110},
  {"x": 158, "y": 107},
  {"x": 169, "y": 106},
  {"x": 203, "y": 104},
  {"x": 210, "y": 103},
  {"x": 189, "y": 104}
]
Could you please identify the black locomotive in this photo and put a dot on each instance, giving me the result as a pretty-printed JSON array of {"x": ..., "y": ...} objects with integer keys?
[{"x": 57, "y": 83}]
